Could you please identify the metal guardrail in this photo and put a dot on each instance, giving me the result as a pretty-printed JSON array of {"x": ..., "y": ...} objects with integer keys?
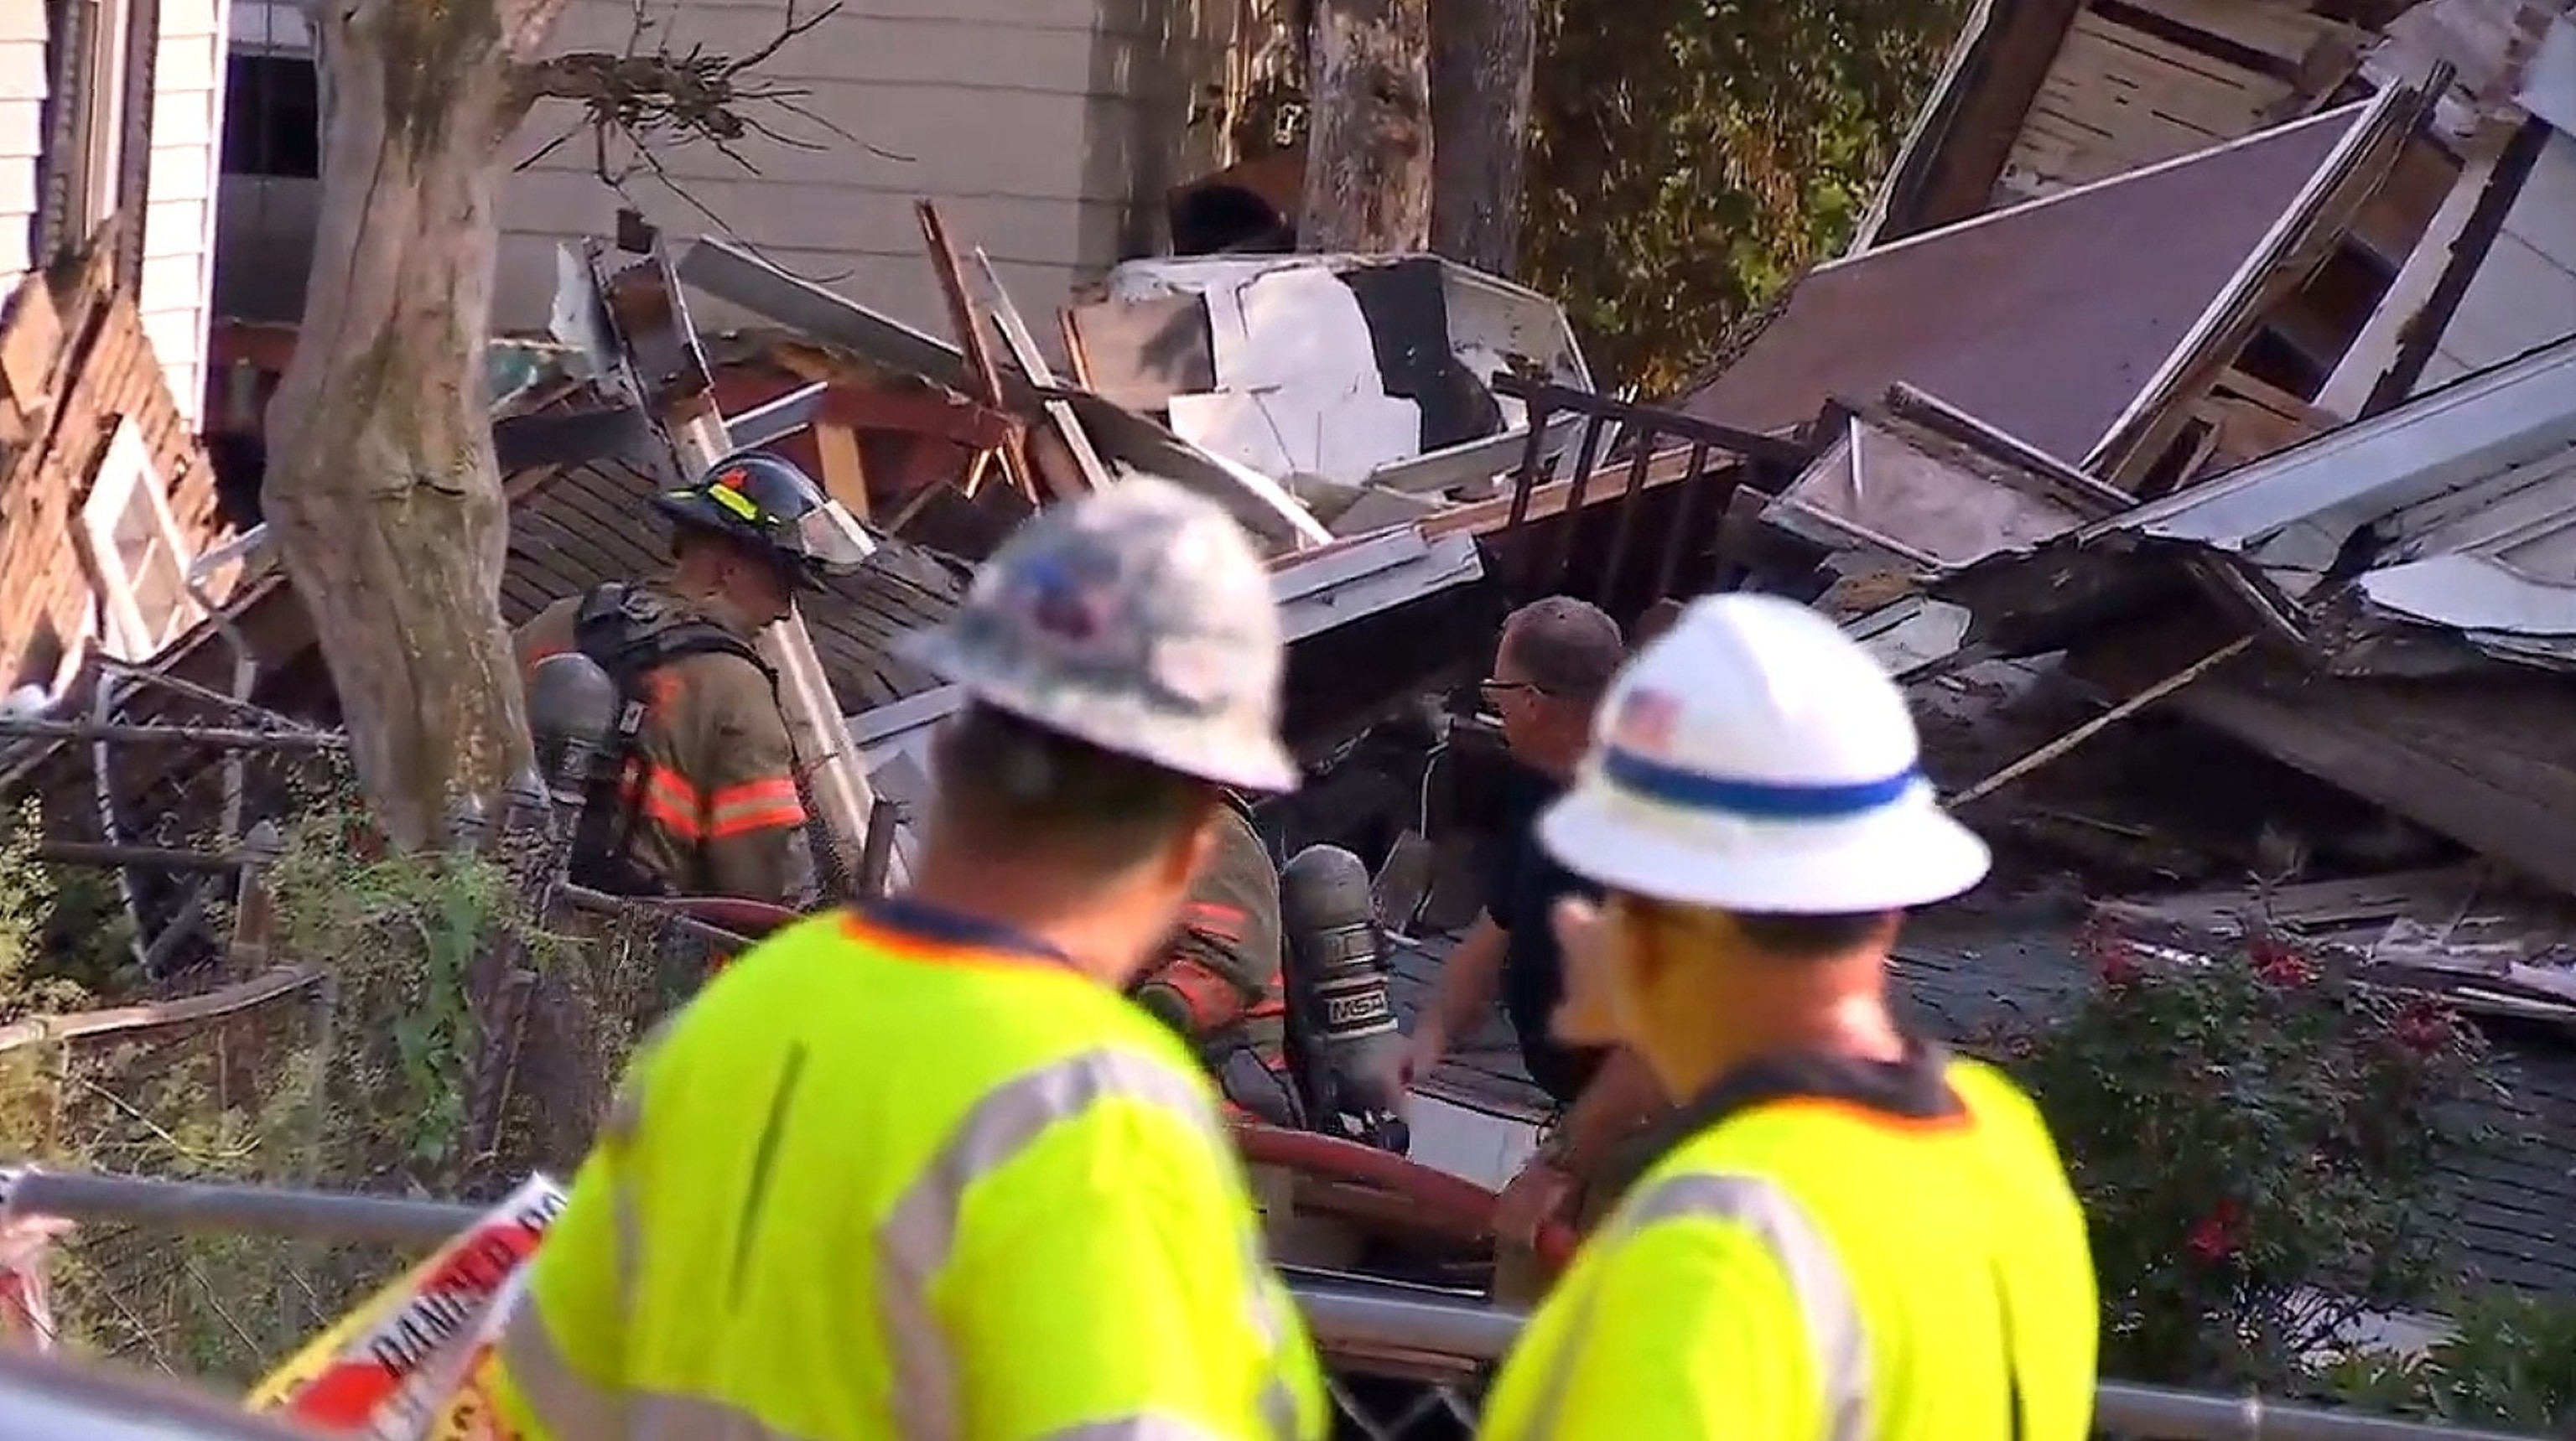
[
  {"x": 1341, "y": 1308},
  {"x": 43, "y": 1397}
]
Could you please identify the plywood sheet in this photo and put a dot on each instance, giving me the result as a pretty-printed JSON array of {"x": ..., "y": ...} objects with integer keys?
[
  {"x": 1141, "y": 353},
  {"x": 2044, "y": 321}
]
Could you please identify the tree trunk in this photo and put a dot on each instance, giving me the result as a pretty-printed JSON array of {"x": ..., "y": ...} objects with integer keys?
[
  {"x": 1368, "y": 136},
  {"x": 1481, "y": 55},
  {"x": 383, "y": 494}
]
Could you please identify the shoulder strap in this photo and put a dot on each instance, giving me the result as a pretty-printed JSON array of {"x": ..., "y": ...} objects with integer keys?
[{"x": 629, "y": 633}]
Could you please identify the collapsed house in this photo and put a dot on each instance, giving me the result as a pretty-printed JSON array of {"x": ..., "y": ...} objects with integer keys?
[{"x": 112, "y": 499}]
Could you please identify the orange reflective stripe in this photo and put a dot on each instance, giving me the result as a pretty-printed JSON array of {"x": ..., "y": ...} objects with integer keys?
[
  {"x": 666, "y": 796},
  {"x": 1214, "y": 921},
  {"x": 754, "y": 806}
]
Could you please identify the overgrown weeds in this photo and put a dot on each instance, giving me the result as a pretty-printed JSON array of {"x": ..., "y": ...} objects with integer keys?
[{"x": 351, "y": 1071}]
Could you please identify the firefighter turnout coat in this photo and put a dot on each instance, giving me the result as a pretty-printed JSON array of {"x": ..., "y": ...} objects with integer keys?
[
  {"x": 709, "y": 788},
  {"x": 895, "y": 1176},
  {"x": 1218, "y": 981}
]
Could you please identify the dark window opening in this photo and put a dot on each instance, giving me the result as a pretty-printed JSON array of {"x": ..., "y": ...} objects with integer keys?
[
  {"x": 2327, "y": 315},
  {"x": 272, "y": 117},
  {"x": 2180, "y": 461},
  {"x": 2275, "y": 361},
  {"x": 241, "y": 468}
]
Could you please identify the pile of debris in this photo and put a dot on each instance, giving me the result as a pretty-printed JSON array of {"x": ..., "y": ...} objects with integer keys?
[{"x": 2215, "y": 364}]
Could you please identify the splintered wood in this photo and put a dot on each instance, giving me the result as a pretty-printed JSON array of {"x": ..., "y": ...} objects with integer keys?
[
  {"x": 2252, "y": 420},
  {"x": 2121, "y": 95}
]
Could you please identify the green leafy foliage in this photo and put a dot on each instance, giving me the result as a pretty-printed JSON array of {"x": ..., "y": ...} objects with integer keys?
[
  {"x": 400, "y": 932},
  {"x": 356, "y": 1082},
  {"x": 2260, "y": 1144},
  {"x": 2509, "y": 1361},
  {"x": 1688, "y": 157},
  {"x": 62, "y": 934}
]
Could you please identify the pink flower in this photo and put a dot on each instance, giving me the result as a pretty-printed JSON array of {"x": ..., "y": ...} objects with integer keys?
[
  {"x": 2281, "y": 963},
  {"x": 2113, "y": 958},
  {"x": 2217, "y": 1235},
  {"x": 2423, "y": 1027}
]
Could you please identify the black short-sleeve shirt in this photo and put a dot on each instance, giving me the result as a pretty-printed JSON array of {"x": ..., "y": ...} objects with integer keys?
[{"x": 1522, "y": 884}]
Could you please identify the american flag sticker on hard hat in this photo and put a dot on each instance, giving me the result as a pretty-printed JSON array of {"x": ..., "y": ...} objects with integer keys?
[{"x": 1644, "y": 721}]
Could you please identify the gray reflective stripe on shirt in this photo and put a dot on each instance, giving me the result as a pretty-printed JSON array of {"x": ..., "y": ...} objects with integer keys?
[
  {"x": 913, "y": 1246},
  {"x": 573, "y": 1411},
  {"x": 918, "y": 1236},
  {"x": 1835, "y": 1329}
]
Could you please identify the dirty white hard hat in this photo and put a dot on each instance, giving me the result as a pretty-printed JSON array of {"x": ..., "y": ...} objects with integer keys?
[
  {"x": 1137, "y": 617},
  {"x": 1756, "y": 759}
]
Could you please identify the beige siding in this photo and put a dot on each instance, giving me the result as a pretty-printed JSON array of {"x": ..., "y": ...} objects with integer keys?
[
  {"x": 1022, "y": 117},
  {"x": 178, "y": 228},
  {"x": 22, "y": 127}
]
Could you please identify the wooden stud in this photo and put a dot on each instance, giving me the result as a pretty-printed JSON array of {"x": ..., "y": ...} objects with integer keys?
[{"x": 845, "y": 475}]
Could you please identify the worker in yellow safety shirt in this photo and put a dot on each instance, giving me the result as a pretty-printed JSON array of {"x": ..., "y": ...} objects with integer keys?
[
  {"x": 920, "y": 1172},
  {"x": 1849, "y": 1235}
]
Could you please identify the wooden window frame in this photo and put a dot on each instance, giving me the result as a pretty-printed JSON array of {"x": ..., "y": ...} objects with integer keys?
[{"x": 126, "y": 475}]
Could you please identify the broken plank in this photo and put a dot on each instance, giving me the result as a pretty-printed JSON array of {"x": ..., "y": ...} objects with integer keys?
[
  {"x": 2309, "y": 904},
  {"x": 2283, "y": 32},
  {"x": 1024, "y": 349},
  {"x": 2105, "y": 721}
]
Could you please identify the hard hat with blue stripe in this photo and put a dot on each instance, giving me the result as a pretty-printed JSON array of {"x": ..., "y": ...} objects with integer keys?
[{"x": 1754, "y": 758}]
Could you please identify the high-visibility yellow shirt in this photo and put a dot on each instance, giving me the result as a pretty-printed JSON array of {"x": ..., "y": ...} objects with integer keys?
[
  {"x": 895, "y": 1178},
  {"x": 1840, "y": 1251}
]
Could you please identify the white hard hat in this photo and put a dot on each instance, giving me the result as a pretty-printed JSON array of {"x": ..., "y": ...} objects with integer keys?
[{"x": 1756, "y": 759}]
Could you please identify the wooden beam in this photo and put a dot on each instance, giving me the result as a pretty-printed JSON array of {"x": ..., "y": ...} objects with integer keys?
[
  {"x": 845, "y": 476},
  {"x": 2104, "y": 721},
  {"x": 1548, "y": 498}
]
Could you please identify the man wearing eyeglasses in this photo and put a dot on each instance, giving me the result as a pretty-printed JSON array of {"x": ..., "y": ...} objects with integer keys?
[{"x": 1555, "y": 661}]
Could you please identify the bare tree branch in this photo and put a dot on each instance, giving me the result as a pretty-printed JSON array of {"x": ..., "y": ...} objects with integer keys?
[{"x": 648, "y": 99}]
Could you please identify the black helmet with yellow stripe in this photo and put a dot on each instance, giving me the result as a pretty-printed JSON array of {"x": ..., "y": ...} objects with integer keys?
[{"x": 757, "y": 499}]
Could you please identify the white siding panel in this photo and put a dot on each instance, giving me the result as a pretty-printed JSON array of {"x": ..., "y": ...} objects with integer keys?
[
  {"x": 22, "y": 76},
  {"x": 178, "y": 170},
  {"x": 22, "y": 134},
  {"x": 1018, "y": 116},
  {"x": 179, "y": 224},
  {"x": 2524, "y": 294},
  {"x": 173, "y": 230}
]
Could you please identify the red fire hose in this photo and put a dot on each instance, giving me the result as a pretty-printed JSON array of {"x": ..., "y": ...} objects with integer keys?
[
  {"x": 1448, "y": 1204},
  {"x": 751, "y": 920}
]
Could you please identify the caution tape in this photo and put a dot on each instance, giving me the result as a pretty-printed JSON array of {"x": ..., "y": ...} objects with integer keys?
[
  {"x": 408, "y": 1356},
  {"x": 26, "y": 1296}
]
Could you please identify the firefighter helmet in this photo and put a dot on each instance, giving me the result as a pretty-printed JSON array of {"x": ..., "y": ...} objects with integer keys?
[{"x": 761, "y": 500}]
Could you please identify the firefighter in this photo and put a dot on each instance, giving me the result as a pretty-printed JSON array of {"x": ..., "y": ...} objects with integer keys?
[
  {"x": 1218, "y": 982},
  {"x": 920, "y": 1172},
  {"x": 698, "y": 794},
  {"x": 1848, "y": 1233}
]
